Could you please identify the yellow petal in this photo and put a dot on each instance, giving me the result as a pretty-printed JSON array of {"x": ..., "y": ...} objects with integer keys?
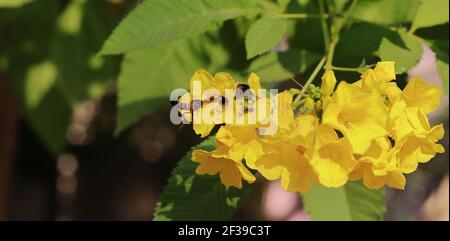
[
  {"x": 392, "y": 91},
  {"x": 396, "y": 180},
  {"x": 333, "y": 159},
  {"x": 230, "y": 172},
  {"x": 385, "y": 71},
  {"x": 224, "y": 81},
  {"x": 254, "y": 82},
  {"x": 328, "y": 83},
  {"x": 415, "y": 150},
  {"x": 203, "y": 129},
  {"x": 285, "y": 111},
  {"x": 206, "y": 80},
  {"x": 419, "y": 93},
  {"x": 360, "y": 115},
  {"x": 369, "y": 80}
]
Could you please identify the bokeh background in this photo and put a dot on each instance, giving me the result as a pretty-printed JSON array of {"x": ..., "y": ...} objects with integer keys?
[{"x": 89, "y": 172}]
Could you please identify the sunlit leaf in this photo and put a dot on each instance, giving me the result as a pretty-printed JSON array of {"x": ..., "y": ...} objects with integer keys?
[
  {"x": 430, "y": 13},
  {"x": 155, "y": 22},
  {"x": 13, "y": 3},
  {"x": 350, "y": 202},
  {"x": 385, "y": 12},
  {"x": 404, "y": 48},
  {"x": 189, "y": 196},
  {"x": 148, "y": 76},
  {"x": 264, "y": 35}
]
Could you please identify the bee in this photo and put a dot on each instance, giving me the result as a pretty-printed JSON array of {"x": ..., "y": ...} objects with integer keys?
[{"x": 187, "y": 109}]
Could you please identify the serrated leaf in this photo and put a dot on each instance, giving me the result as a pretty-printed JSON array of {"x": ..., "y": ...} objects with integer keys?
[
  {"x": 264, "y": 35},
  {"x": 148, "y": 76},
  {"x": 430, "y": 13},
  {"x": 403, "y": 48},
  {"x": 189, "y": 196},
  {"x": 155, "y": 22},
  {"x": 385, "y": 12},
  {"x": 350, "y": 202}
]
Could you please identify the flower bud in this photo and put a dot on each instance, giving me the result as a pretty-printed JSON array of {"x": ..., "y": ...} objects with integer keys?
[{"x": 309, "y": 103}]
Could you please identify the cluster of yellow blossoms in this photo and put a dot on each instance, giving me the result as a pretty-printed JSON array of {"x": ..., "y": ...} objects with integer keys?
[{"x": 370, "y": 130}]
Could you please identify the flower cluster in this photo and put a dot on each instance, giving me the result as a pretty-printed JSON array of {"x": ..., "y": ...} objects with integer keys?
[{"x": 370, "y": 130}]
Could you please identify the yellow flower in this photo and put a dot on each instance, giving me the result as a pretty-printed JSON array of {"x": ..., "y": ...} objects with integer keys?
[
  {"x": 285, "y": 156},
  {"x": 200, "y": 82},
  {"x": 414, "y": 138},
  {"x": 332, "y": 158},
  {"x": 418, "y": 93},
  {"x": 242, "y": 142},
  {"x": 380, "y": 79},
  {"x": 385, "y": 71},
  {"x": 394, "y": 179},
  {"x": 360, "y": 115},
  {"x": 385, "y": 132},
  {"x": 231, "y": 172},
  {"x": 221, "y": 81},
  {"x": 378, "y": 166},
  {"x": 415, "y": 149},
  {"x": 308, "y": 154}
]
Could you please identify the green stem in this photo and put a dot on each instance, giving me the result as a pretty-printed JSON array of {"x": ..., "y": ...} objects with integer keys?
[
  {"x": 324, "y": 24},
  {"x": 330, "y": 55},
  {"x": 309, "y": 81},
  {"x": 335, "y": 36},
  {"x": 296, "y": 15},
  {"x": 345, "y": 69}
]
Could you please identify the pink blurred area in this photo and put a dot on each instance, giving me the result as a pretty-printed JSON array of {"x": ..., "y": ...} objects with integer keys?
[{"x": 277, "y": 204}]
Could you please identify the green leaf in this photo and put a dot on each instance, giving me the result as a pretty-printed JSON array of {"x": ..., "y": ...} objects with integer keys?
[
  {"x": 431, "y": 13},
  {"x": 50, "y": 120},
  {"x": 298, "y": 60},
  {"x": 350, "y": 202},
  {"x": 155, "y": 22},
  {"x": 264, "y": 35},
  {"x": 275, "y": 67},
  {"x": 189, "y": 196},
  {"x": 81, "y": 29},
  {"x": 39, "y": 81},
  {"x": 34, "y": 73},
  {"x": 385, "y": 12},
  {"x": 362, "y": 40},
  {"x": 148, "y": 77},
  {"x": 13, "y": 3},
  {"x": 269, "y": 68},
  {"x": 404, "y": 48}
]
